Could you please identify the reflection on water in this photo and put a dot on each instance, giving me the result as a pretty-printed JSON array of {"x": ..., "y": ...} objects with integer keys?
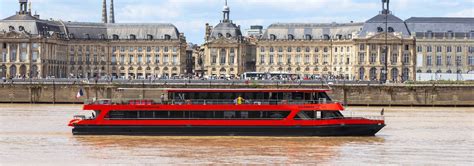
[{"x": 32, "y": 134}]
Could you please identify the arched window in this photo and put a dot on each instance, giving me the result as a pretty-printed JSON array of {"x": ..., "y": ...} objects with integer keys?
[
  {"x": 459, "y": 71},
  {"x": 133, "y": 37},
  {"x": 228, "y": 35},
  {"x": 308, "y": 37},
  {"x": 307, "y": 49},
  {"x": 418, "y": 71},
  {"x": 220, "y": 35},
  {"x": 298, "y": 49},
  {"x": 394, "y": 74},
  {"x": 88, "y": 37},
  {"x": 21, "y": 28},
  {"x": 115, "y": 37},
  {"x": 102, "y": 36},
  {"x": 291, "y": 37},
  {"x": 390, "y": 29},
  {"x": 273, "y": 37},
  {"x": 11, "y": 28},
  {"x": 379, "y": 29},
  {"x": 428, "y": 71},
  {"x": 373, "y": 73},
  {"x": 149, "y": 37},
  {"x": 338, "y": 36},
  {"x": 167, "y": 37},
  {"x": 405, "y": 74},
  {"x": 272, "y": 49},
  {"x": 449, "y": 71},
  {"x": 71, "y": 35}
]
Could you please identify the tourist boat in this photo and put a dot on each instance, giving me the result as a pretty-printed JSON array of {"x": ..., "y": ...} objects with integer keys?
[{"x": 239, "y": 112}]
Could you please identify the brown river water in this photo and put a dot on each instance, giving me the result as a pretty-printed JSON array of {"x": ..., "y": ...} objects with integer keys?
[{"x": 39, "y": 135}]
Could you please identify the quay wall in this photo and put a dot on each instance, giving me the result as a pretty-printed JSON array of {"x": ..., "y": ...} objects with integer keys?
[{"x": 367, "y": 95}]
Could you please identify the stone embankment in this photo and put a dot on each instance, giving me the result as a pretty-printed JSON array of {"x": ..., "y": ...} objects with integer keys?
[{"x": 367, "y": 95}]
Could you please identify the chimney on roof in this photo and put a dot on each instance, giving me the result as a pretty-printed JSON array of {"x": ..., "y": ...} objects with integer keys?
[
  {"x": 104, "y": 11},
  {"x": 112, "y": 17}
]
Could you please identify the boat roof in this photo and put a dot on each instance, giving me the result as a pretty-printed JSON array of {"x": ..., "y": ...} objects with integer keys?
[{"x": 246, "y": 90}]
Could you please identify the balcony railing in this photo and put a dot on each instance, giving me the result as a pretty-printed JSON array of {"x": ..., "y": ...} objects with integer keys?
[{"x": 203, "y": 102}]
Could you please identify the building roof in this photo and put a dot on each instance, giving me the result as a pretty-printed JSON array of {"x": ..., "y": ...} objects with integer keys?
[
  {"x": 440, "y": 24},
  {"x": 372, "y": 26},
  {"x": 316, "y": 30},
  {"x": 226, "y": 29}
]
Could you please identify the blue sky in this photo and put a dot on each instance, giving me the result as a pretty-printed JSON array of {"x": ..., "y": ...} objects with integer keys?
[{"x": 190, "y": 16}]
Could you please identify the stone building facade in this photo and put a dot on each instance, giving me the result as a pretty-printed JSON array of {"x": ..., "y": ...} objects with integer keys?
[
  {"x": 226, "y": 52},
  {"x": 307, "y": 49},
  {"x": 444, "y": 45},
  {"x": 36, "y": 48}
]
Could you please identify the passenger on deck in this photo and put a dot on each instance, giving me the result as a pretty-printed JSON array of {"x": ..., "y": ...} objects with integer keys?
[{"x": 239, "y": 100}]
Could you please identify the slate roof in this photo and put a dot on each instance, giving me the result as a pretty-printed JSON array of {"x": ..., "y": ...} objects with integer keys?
[
  {"x": 225, "y": 28},
  {"x": 371, "y": 26},
  {"x": 316, "y": 30},
  {"x": 440, "y": 24},
  {"x": 80, "y": 30}
]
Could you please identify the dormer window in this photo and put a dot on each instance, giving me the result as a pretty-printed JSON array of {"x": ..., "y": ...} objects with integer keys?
[
  {"x": 21, "y": 28},
  {"x": 326, "y": 37},
  {"x": 228, "y": 35},
  {"x": 349, "y": 36},
  {"x": 308, "y": 37},
  {"x": 379, "y": 29},
  {"x": 273, "y": 37},
  {"x": 102, "y": 36},
  {"x": 11, "y": 28},
  {"x": 291, "y": 37},
  {"x": 391, "y": 30},
  {"x": 115, "y": 37},
  {"x": 71, "y": 35},
  {"x": 133, "y": 37},
  {"x": 88, "y": 37},
  {"x": 220, "y": 35},
  {"x": 149, "y": 37},
  {"x": 339, "y": 37},
  {"x": 167, "y": 37},
  {"x": 429, "y": 34},
  {"x": 450, "y": 34}
]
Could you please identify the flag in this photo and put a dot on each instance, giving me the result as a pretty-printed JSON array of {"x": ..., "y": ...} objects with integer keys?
[{"x": 80, "y": 93}]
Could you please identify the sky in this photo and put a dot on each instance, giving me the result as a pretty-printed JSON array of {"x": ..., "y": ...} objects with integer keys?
[{"x": 190, "y": 16}]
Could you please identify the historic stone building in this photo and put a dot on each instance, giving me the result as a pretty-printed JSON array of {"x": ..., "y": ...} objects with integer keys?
[
  {"x": 385, "y": 49},
  {"x": 308, "y": 49},
  {"x": 350, "y": 50},
  {"x": 444, "y": 45},
  {"x": 36, "y": 48},
  {"x": 227, "y": 53}
]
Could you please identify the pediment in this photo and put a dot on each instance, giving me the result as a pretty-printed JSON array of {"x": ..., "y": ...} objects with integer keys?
[{"x": 383, "y": 36}]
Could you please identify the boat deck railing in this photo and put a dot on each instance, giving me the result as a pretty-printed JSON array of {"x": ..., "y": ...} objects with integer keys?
[{"x": 203, "y": 102}]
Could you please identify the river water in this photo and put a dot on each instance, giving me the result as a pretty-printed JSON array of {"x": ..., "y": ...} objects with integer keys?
[{"x": 39, "y": 135}]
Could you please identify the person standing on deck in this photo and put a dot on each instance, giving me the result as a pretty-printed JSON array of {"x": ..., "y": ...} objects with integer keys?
[{"x": 240, "y": 100}]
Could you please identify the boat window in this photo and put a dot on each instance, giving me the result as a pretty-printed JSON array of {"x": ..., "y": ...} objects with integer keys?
[
  {"x": 315, "y": 115},
  {"x": 190, "y": 115}
]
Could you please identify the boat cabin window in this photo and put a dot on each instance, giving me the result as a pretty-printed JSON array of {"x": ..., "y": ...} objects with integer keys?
[
  {"x": 312, "y": 115},
  {"x": 190, "y": 115},
  {"x": 277, "y": 96}
]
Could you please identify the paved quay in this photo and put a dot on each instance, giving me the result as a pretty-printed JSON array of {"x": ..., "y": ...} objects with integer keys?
[{"x": 348, "y": 92}]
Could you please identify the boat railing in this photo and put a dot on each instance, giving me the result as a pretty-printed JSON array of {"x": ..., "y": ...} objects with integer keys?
[{"x": 124, "y": 101}]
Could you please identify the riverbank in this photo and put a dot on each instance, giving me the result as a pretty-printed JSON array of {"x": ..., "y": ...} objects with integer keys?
[{"x": 366, "y": 95}]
